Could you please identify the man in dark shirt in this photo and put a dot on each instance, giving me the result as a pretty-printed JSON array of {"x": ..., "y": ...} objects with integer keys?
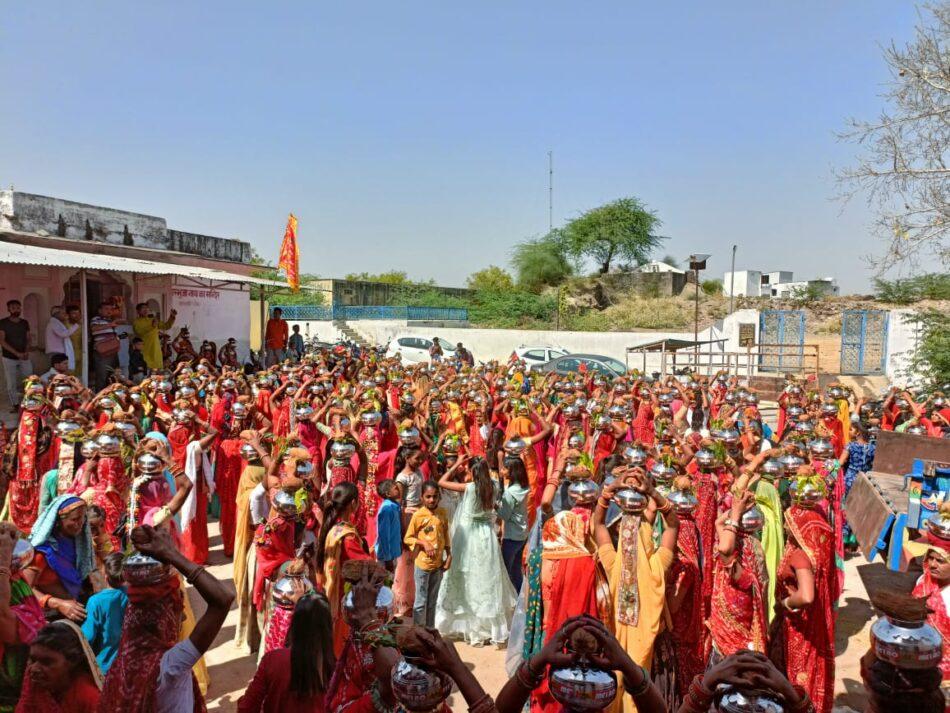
[{"x": 15, "y": 345}]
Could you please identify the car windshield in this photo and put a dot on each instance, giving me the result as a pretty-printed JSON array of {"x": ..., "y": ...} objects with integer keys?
[{"x": 615, "y": 365}]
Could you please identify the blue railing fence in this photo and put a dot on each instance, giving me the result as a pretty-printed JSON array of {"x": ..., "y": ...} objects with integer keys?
[{"x": 358, "y": 312}]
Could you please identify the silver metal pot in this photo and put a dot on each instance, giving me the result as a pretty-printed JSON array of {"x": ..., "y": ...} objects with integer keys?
[
  {"x": 284, "y": 594},
  {"x": 583, "y": 491},
  {"x": 705, "y": 458},
  {"x": 791, "y": 463},
  {"x": 752, "y": 520},
  {"x": 806, "y": 496},
  {"x": 371, "y": 418},
  {"x": 684, "y": 501},
  {"x": 108, "y": 444},
  {"x": 630, "y": 501},
  {"x": 772, "y": 469},
  {"x": 342, "y": 451},
  {"x": 635, "y": 456},
  {"x": 907, "y": 645},
  {"x": 143, "y": 570},
  {"x": 384, "y": 606},
  {"x": 303, "y": 412},
  {"x": 736, "y": 701},
  {"x": 821, "y": 448},
  {"x": 418, "y": 688},
  {"x": 68, "y": 429},
  {"x": 285, "y": 504},
  {"x": 150, "y": 464},
  {"x": 515, "y": 446},
  {"x": 248, "y": 452},
  {"x": 409, "y": 436},
  {"x": 580, "y": 688}
]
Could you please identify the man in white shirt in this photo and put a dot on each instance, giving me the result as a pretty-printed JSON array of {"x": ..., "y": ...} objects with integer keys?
[{"x": 59, "y": 335}]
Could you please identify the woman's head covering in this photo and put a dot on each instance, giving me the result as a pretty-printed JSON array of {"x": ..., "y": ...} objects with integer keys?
[
  {"x": 813, "y": 534},
  {"x": 72, "y": 558}
]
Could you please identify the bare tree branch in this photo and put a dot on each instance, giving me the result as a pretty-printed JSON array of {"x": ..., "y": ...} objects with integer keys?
[{"x": 903, "y": 169}]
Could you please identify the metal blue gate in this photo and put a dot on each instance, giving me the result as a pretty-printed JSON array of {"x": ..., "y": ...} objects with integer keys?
[
  {"x": 863, "y": 341},
  {"x": 781, "y": 339}
]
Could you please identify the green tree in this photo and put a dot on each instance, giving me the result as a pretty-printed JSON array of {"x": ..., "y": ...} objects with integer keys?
[
  {"x": 620, "y": 230},
  {"x": 711, "y": 287},
  {"x": 671, "y": 261},
  {"x": 393, "y": 277},
  {"x": 930, "y": 361},
  {"x": 541, "y": 262},
  {"x": 492, "y": 278}
]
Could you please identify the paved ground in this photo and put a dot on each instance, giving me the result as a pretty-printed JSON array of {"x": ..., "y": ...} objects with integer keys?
[{"x": 230, "y": 672}]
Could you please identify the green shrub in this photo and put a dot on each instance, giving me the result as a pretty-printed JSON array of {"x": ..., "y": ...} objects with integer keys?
[
  {"x": 930, "y": 362},
  {"x": 931, "y": 286},
  {"x": 712, "y": 287}
]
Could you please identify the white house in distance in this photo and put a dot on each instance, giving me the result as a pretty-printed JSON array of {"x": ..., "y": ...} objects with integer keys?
[
  {"x": 780, "y": 283},
  {"x": 657, "y": 266}
]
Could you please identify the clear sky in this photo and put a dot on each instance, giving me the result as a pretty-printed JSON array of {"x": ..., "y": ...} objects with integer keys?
[{"x": 414, "y": 136}]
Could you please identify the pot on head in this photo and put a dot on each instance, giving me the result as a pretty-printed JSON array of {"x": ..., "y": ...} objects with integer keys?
[
  {"x": 108, "y": 444},
  {"x": 583, "y": 491},
  {"x": 736, "y": 701},
  {"x": 515, "y": 446},
  {"x": 143, "y": 570},
  {"x": 630, "y": 501},
  {"x": 150, "y": 464},
  {"x": 418, "y": 688},
  {"x": 286, "y": 504},
  {"x": 248, "y": 452},
  {"x": 906, "y": 645},
  {"x": 284, "y": 591},
  {"x": 580, "y": 688},
  {"x": 684, "y": 501},
  {"x": 342, "y": 451},
  {"x": 752, "y": 520},
  {"x": 384, "y": 606}
]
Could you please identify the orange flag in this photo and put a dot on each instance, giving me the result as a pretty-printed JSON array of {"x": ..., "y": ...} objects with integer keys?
[{"x": 289, "y": 260}]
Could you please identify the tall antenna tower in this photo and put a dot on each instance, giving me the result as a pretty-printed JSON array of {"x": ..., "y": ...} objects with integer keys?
[{"x": 550, "y": 191}]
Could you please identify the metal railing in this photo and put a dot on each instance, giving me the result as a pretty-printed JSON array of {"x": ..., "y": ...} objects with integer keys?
[
  {"x": 360, "y": 312},
  {"x": 752, "y": 361}
]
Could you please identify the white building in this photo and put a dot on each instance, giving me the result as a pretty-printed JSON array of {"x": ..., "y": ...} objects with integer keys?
[
  {"x": 657, "y": 266},
  {"x": 779, "y": 283},
  {"x": 822, "y": 286},
  {"x": 742, "y": 283}
]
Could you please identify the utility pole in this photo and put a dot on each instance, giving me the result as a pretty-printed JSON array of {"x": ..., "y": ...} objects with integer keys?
[
  {"x": 732, "y": 279},
  {"x": 550, "y": 191}
]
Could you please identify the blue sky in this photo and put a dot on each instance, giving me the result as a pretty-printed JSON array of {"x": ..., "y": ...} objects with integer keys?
[{"x": 414, "y": 135}]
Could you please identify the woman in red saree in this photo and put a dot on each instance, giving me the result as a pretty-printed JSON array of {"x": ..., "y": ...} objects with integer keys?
[
  {"x": 190, "y": 440},
  {"x": 523, "y": 426},
  {"x": 62, "y": 675},
  {"x": 339, "y": 542},
  {"x": 738, "y": 620},
  {"x": 805, "y": 624},
  {"x": 228, "y": 465},
  {"x": 33, "y": 459},
  {"x": 934, "y": 586},
  {"x": 684, "y": 597}
]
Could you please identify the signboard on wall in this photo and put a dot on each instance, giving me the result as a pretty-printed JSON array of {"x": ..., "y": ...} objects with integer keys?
[
  {"x": 746, "y": 334},
  {"x": 212, "y": 314}
]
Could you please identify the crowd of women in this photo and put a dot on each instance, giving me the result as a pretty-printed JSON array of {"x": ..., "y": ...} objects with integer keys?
[{"x": 658, "y": 529}]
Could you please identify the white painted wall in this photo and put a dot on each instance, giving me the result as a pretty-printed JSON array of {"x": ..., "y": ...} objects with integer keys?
[
  {"x": 209, "y": 314},
  {"x": 747, "y": 283},
  {"x": 902, "y": 342},
  {"x": 488, "y": 344}
]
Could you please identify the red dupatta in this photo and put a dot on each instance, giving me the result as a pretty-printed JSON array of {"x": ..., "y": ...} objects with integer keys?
[
  {"x": 276, "y": 544},
  {"x": 810, "y": 631},
  {"x": 738, "y": 620},
  {"x": 686, "y": 575},
  {"x": 150, "y": 628},
  {"x": 940, "y": 617},
  {"x": 24, "y": 489}
]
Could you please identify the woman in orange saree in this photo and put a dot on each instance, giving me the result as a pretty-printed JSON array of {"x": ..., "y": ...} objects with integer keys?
[{"x": 338, "y": 543}]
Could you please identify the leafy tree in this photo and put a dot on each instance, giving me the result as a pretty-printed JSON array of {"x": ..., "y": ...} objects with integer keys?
[
  {"x": 492, "y": 278},
  {"x": 712, "y": 287},
  {"x": 393, "y": 277},
  {"x": 620, "y": 230},
  {"x": 541, "y": 262},
  {"x": 930, "y": 361},
  {"x": 902, "y": 170},
  {"x": 932, "y": 286},
  {"x": 671, "y": 261}
]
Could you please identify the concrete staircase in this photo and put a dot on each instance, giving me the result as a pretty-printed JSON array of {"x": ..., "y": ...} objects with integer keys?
[{"x": 350, "y": 334}]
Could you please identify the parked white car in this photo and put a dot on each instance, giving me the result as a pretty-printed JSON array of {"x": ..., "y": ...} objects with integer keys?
[
  {"x": 415, "y": 350},
  {"x": 535, "y": 356}
]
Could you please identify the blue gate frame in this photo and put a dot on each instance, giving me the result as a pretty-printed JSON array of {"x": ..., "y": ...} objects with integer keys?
[
  {"x": 781, "y": 339},
  {"x": 864, "y": 341}
]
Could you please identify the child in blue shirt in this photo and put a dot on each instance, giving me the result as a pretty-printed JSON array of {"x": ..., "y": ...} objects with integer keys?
[
  {"x": 105, "y": 611},
  {"x": 389, "y": 524}
]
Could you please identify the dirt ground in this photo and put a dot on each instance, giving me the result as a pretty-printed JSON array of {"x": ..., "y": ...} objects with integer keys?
[{"x": 231, "y": 672}]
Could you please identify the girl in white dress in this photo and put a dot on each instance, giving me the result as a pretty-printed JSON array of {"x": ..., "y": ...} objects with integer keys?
[{"x": 476, "y": 599}]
